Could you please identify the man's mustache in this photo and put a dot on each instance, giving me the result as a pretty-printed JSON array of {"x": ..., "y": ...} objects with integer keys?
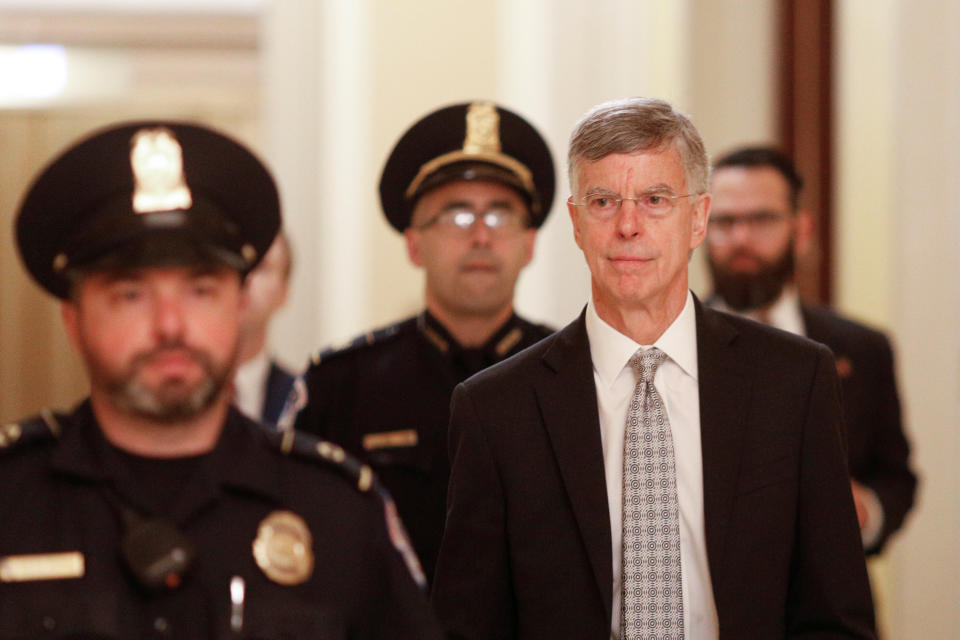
[{"x": 177, "y": 347}]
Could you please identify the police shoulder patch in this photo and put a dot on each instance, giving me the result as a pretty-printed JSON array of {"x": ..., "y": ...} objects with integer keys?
[{"x": 39, "y": 428}]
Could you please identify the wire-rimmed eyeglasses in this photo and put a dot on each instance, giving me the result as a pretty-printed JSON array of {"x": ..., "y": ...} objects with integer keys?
[
  {"x": 759, "y": 223},
  {"x": 656, "y": 204},
  {"x": 496, "y": 219}
]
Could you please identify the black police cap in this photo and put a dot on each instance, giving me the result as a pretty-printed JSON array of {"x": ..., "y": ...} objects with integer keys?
[
  {"x": 470, "y": 141},
  {"x": 145, "y": 193}
]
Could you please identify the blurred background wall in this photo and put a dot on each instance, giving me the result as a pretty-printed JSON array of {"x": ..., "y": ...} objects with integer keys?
[{"x": 322, "y": 89}]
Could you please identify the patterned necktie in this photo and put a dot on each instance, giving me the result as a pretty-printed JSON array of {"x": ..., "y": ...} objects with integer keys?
[{"x": 652, "y": 598}]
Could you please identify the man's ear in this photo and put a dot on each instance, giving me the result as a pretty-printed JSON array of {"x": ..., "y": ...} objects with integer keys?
[
  {"x": 574, "y": 219},
  {"x": 806, "y": 228},
  {"x": 284, "y": 294},
  {"x": 529, "y": 239},
  {"x": 71, "y": 321},
  {"x": 413, "y": 238},
  {"x": 243, "y": 302},
  {"x": 698, "y": 221}
]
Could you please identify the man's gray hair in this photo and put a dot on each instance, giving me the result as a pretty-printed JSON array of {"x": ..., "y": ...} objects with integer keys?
[{"x": 635, "y": 125}]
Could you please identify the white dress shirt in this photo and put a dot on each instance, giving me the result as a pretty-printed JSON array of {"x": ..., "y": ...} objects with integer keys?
[
  {"x": 250, "y": 385},
  {"x": 676, "y": 381}
]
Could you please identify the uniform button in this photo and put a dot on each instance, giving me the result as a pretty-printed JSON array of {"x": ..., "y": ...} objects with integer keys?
[
  {"x": 49, "y": 624},
  {"x": 160, "y": 625}
]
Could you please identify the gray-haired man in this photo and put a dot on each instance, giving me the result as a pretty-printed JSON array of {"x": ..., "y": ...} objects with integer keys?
[{"x": 630, "y": 476}]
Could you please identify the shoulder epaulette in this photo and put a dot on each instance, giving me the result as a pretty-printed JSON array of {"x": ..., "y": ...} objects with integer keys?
[
  {"x": 302, "y": 445},
  {"x": 365, "y": 340},
  {"x": 307, "y": 447},
  {"x": 43, "y": 427}
]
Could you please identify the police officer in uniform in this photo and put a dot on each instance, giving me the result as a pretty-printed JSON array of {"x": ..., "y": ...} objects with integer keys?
[
  {"x": 155, "y": 509},
  {"x": 468, "y": 186}
]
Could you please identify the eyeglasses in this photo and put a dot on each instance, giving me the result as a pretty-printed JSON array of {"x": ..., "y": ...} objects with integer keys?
[
  {"x": 655, "y": 204},
  {"x": 496, "y": 219},
  {"x": 758, "y": 223}
]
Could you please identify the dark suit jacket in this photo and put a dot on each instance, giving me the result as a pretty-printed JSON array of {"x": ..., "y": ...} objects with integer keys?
[
  {"x": 878, "y": 452},
  {"x": 526, "y": 553},
  {"x": 279, "y": 383}
]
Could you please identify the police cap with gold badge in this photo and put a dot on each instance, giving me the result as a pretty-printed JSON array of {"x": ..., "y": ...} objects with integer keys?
[
  {"x": 146, "y": 194},
  {"x": 470, "y": 141}
]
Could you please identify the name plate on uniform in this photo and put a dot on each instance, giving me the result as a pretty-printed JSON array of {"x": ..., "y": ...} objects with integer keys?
[
  {"x": 42, "y": 566},
  {"x": 387, "y": 439}
]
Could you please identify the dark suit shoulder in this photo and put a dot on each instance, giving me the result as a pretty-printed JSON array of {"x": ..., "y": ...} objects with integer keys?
[
  {"x": 36, "y": 431},
  {"x": 832, "y": 328},
  {"x": 757, "y": 334}
]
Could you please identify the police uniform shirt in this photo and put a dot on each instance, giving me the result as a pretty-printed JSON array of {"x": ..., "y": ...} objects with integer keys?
[
  {"x": 69, "y": 495},
  {"x": 386, "y": 398}
]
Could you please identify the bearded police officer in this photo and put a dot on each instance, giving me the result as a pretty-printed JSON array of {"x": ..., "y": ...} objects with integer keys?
[
  {"x": 155, "y": 509},
  {"x": 468, "y": 186}
]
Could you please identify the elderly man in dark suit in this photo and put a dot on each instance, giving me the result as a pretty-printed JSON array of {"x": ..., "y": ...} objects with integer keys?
[
  {"x": 656, "y": 469},
  {"x": 756, "y": 227}
]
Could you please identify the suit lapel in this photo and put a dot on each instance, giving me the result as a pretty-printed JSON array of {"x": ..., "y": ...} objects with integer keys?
[
  {"x": 567, "y": 399},
  {"x": 279, "y": 383},
  {"x": 724, "y": 396},
  {"x": 568, "y": 403}
]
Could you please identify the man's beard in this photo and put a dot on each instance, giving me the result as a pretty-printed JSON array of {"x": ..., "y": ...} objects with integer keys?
[
  {"x": 750, "y": 291},
  {"x": 174, "y": 400}
]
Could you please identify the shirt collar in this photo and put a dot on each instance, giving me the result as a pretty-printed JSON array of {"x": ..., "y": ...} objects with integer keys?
[
  {"x": 250, "y": 382},
  {"x": 611, "y": 350},
  {"x": 784, "y": 313},
  {"x": 82, "y": 447},
  {"x": 497, "y": 346}
]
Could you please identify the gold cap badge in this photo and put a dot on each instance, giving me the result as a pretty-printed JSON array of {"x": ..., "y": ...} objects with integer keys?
[
  {"x": 481, "y": 144},
  {"x": 283, "y": 548},
  {"x": 483, "y": 129},
  {"x": 159, "y": 182}
]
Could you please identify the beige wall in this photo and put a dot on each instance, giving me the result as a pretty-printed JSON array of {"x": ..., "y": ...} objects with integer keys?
[
  {"x": 902, "y": 262},
  {"x": 897, "y": 265}
]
